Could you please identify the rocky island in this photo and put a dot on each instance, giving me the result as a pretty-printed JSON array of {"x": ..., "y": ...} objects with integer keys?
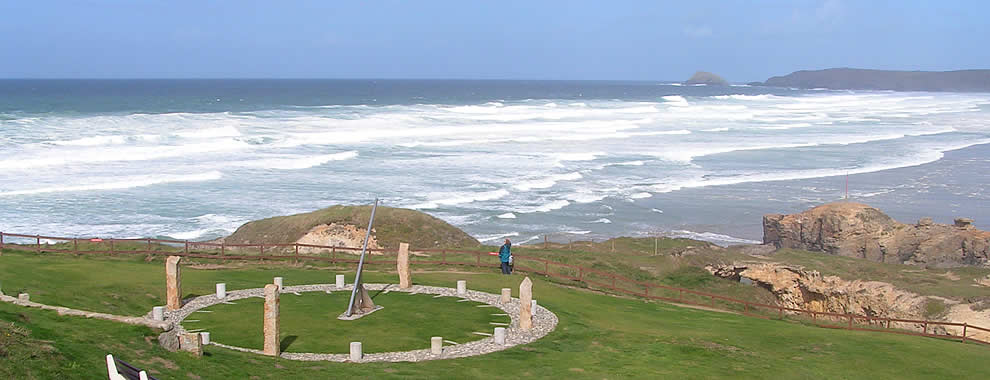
[{"x": 706, "y": 78}]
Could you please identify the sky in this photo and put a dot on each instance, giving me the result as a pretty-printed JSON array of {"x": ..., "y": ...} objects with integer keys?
[{"x": 505, "y": 39}]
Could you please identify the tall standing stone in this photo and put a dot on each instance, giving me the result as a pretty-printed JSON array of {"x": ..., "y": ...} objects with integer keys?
[
  {"x": 271, "y": 347},
  {"x": 526, "y": 304},
  {"x": 402, "y": 266},
  {"x": 173, "y": 283}
]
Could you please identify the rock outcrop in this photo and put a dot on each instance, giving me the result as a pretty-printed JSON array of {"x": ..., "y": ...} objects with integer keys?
[
  {"x": 704, "y": 77},
  {"x": 857, "y": 230}
]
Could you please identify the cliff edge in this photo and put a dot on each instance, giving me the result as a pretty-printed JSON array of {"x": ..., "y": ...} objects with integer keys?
[
  {"x": 863, "y": 79},
  {"x": 858, "y": 230}
]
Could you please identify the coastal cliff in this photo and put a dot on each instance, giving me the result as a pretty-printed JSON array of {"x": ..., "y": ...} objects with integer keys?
[
  {"x": 857, "y": 230},
  {"x": 863, "y": 79}
]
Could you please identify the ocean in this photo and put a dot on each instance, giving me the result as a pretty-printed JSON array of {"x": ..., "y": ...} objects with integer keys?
[{"x": 576, "y": 160}]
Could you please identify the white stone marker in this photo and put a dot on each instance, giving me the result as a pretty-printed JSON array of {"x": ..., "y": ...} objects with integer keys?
[
  {"x": 24, "y": 297},
  {"x": 500, "y": 335},
  {"x": 221, "y": 290},
  {"x": 158, "y": 313},
  {"x": 533, "y": 308},
  {"x": 205, "y": 337},
  {"x": 278, "y": 282},
  {"x": 436, "y": 345},
  {"x": 356, "y": 351},
  {"x": 506, "y": 295},
  {"x": 461, "y": 287},
  {"x": 340, "y": 281}
]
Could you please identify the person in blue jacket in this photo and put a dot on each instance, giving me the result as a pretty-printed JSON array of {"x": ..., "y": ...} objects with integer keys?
[{"x": 504, "y": 254}]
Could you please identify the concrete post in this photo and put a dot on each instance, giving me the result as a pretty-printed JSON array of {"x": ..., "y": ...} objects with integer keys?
[
  {"x": 278, "y": 282},
  {"x": 500, "y": 336},
  {"x": 24, "y": 297},
  {"x": 526, "y": 304},
  {"x": 461, "y": 287},
  {"x": 340, "y": 281},
  {"x": 506, "y": 295},
  {"x": 436, "y": 345},
  {"x": 221, "y": 290},
  {"x": 271, "y": 328},
  {"x": 356, "y": 353},
  {"x": 402, "y": 266},
  {"x": 158, "y": 313},
  {"x": 173, "y": 283},
  {"x": 204, "y": 337},
  {"x": 533, "y": 307}
]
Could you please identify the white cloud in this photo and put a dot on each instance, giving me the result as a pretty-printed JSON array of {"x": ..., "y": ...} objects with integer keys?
[{"x": 701, "y": 31}]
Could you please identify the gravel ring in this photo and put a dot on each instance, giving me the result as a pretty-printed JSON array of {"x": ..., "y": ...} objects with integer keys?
[{"x": 544, "y": 321}]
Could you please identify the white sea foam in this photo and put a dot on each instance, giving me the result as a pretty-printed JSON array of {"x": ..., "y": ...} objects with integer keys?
[
  {"x": 658, "y": 211},
  {"x": 493, "y": 237},
  {"x": 507, "y": 215},
  {"x": 119, "y": 184},
  {"x": 206, "y": 133},
  {"x": 602, "y": 220},
  {"x": 298, "y": 162},
  {"x": 452, "y": 199},
  {"x": 547, "y": 182},
  {"x": 713, "y": 237},
  {"x": 547, "y": 207},
  {"x": 675, "y": 100},
  {"x": 723, "y": 129},
  {"x": 640, "y": 195},
  {"x": 576, "y": 232}
]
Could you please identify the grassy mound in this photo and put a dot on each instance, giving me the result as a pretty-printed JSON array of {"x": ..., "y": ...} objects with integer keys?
[{"x": 392, "y": 226}]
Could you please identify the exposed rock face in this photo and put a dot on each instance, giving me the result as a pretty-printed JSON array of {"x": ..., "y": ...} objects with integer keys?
[
  {"x": 704, "y": 77},
  {"x": 340, "y": 235},
  {"x": 801, "y": 289},
  {"x": 857, "y": 230}
]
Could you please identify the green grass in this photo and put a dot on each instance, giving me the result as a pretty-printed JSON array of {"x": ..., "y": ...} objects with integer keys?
[
  {"x": 599, "y": 336},
  {"x": 309, "y": 322}
]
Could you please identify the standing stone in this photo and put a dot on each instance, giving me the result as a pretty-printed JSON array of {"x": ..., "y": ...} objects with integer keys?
[
  {"x": 24, "y": 297},
  {"x": 356, "y": 353},
  {"x": 221, "y": 290},
  {"x": 278, "y": 281},
  {"x": 506, "y": 295},
  {"x": 436, "y": 345},
  {"x": 191, "y": 342},
  {"x": 402, "y": 266},
  {"x": 461, "y": 287},
  {"x": 340, "y": 281},
  {"x": 526, "y": 304},
  {"x": 158, "y": 313},
  {"x": 500, "y": 336},
  {"x": 205, "y": 337},
  {"x": 173, "y": 283},
  {"x": 271, "y": 347}
]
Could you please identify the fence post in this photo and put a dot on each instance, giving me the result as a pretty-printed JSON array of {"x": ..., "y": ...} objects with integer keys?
[
  {"x": 261, "y": 249},
  {"x": 443, "y": 257},
  {"x": 888, "y": 322},
  {"x": 37, "y": 248},
  {"x": 581, "y": 274},
  {"x": 477, "y": 256},
  {"x": 713, "y": 300},
  {"x": 925, "y": 325},
  {"x": 546, "y": 242},
  {"x": 186, "y": 250},
  {"x": 964, "y": 332},
  {"x": 333, "y": 254},
  {"x": 296, "y": 246},
  {"x": 680, "y": 295},
  {"x": 1, "y": 242},
  {"x": 111, "y": 246},
  {"x": 780, "y": 312},
  {"x": 613, "y": 282},
  {"x": 546, "y": 267},
  {"x": 850, "y": 320},
  {"x": 149, "y": 246},
  {"x": 223, "y": 250},
  {"x": 75, "y": 246},
  {"x": 814, "y": 317}
]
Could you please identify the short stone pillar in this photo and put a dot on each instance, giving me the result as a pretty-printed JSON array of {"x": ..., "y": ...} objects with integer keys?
[
  {"x": 205, "y": 337},
  {"x": 461, "y": 287},
  {"x": 402, "y": 266},
  {"x": 278, "y": 281},
  {"x": 506, "y": 295},
  {"x": 271, "y": 347},
  {"x": 340, "y": 281},
  {"x": 173, "y": 283},
  {"x": 436, "y": 345},
  {"x": 221, "y": 290},
  {"x": 526, "y": 304},
  {"x": 533, "y": 307},
  {"x": 499, "y": 336},
  {"x": 191, "y": 342},
  {"x": 356, "y": 353},
  {"x": 158, "y": 313},
  {"x": 24, "y": 297}
]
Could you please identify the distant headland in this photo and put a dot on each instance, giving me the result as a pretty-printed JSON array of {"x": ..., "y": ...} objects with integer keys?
[{"x": 864, "y": 79}]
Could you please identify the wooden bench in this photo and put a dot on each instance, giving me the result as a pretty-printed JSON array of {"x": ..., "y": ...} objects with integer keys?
[{"x": 121, "y": 370}]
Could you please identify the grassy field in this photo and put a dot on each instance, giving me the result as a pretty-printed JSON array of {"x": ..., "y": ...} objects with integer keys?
[
  {"x": 309, "y": 322},
  {"x": 599, "y": 336}
]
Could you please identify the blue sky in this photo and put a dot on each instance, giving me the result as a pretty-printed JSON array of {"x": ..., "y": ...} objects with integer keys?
[{"x": 638, "y": 40}]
